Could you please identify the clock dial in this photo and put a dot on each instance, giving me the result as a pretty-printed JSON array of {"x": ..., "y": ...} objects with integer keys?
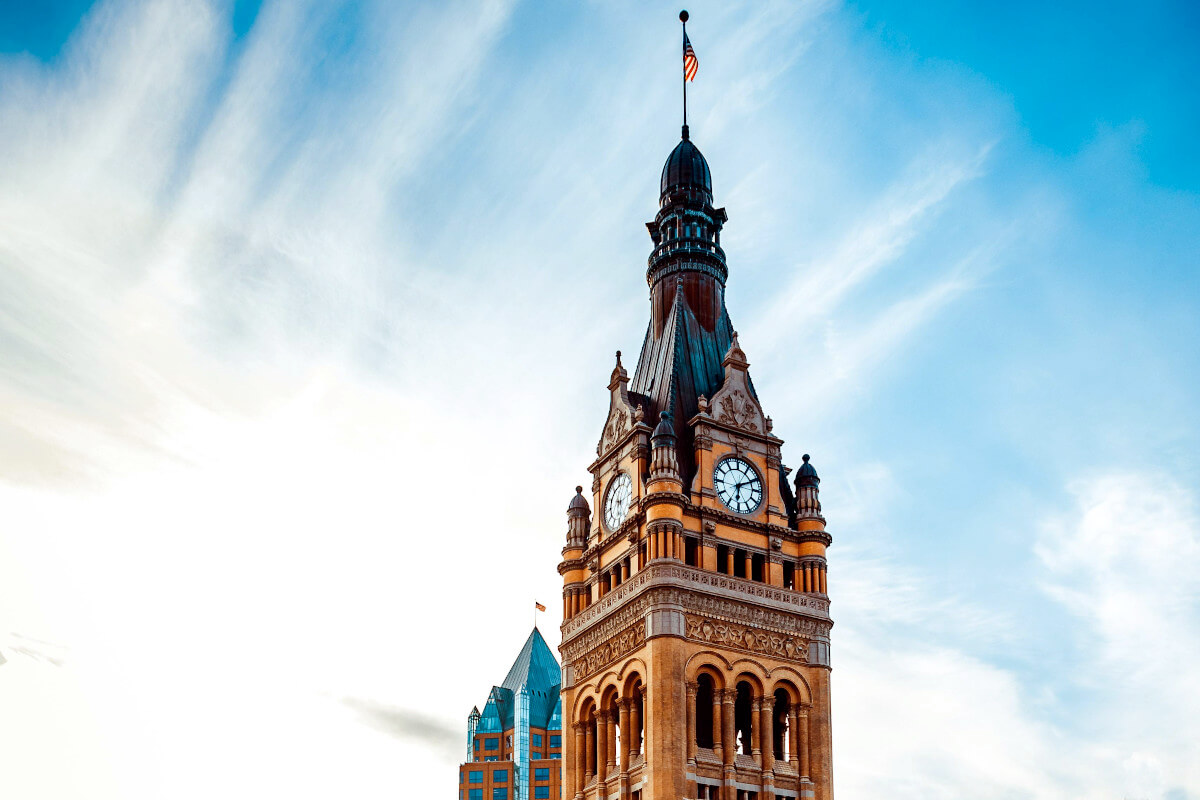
[
  {"x": 738, "y": 485},
  {"x": 616, "y": 502}
]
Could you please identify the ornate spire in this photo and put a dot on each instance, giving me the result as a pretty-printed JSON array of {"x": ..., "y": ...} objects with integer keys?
[{"x": 619, "y": 375}]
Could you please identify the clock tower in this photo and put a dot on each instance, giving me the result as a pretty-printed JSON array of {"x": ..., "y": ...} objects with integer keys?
[{"x": 695, "y": 640}]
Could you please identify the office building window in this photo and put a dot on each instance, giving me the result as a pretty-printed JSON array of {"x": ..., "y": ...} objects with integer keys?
[
  {"x": 556, "y": 741},
  {"x": 500, "y": 776},
  {"x": 540, "y": 792},
  {"x": 556, "y": 755},
  {"x": 537, "y": 739},
  {"x": 475, "y": 776},
  {"x": 491, "y": 744},
  {"x": 500, "y": 793},
  {"x": 541, "y": 774},
  {"x": 475, "y": 794}
]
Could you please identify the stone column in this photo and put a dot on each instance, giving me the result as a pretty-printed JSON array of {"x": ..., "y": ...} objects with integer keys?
[
  {"x": 802, "y": 729},
  {"x": 691, "y": 725},
  {"x": 728, "y": 697},
  {"x": 625, "y": 570},
  {"x": 768, "y": 733},
  {"x": 625, "y": 736},
  {"x": 768, "y": 749},
  {"x": 729, "y": 561},
  {"x": 824, "y": 586},
  {"x": 749, "y": 566},
  {"x": 793, "y": 746},
  {"x": 602, "y": 746},
  {"x": 716, "y": 722},
  {"x": 612, "y": 742},
  {"x": 580, "y": 759},
  {"x": 756, "y": 730},
  {"x": 589, "y": 750}
]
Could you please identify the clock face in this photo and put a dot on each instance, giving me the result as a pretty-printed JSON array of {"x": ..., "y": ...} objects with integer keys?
[
  {"x": 616, "y": 502},
  {"x": 737, "y": 484}
]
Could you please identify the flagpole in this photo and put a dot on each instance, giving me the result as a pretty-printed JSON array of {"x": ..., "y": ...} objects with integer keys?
[{"x": 683, "y": 17}]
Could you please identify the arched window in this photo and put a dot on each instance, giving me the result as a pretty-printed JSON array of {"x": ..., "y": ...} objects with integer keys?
[
  {"x": 704, "y": 711},
  {"x": 743, "y": 718}
]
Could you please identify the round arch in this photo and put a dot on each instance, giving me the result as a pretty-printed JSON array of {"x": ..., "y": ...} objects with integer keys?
[{"x": 793, "y": 683}]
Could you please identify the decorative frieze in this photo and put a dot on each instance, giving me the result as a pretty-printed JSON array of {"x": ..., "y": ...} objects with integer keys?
[
  {"x": 617, "y": 646},
  {"x": 600, "y": 633},
  {"x": 739, "y": 637}
]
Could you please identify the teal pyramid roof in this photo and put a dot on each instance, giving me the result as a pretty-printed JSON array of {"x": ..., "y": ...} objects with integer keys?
[
  {"x": 535, "y": 667},
  {"x": 536, "y": 672}
]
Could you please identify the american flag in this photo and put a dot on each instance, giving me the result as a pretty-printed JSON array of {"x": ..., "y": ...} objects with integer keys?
[{"x": 690, "y": 64}]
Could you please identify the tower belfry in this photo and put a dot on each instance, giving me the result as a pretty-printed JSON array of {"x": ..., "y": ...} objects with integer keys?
[{"x": 695, "y": 640}]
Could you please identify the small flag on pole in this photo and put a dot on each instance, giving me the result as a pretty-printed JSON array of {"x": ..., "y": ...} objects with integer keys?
[
  {"x": 690, "y": 64},
  {"x": 538, "y": 606}
]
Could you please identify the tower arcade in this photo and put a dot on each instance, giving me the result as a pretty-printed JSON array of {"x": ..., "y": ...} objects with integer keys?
[{"x": 695, "y": 640}]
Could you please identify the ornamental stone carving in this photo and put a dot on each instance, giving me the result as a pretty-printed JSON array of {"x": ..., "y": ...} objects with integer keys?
[
  {"x": 618, "y": 424},
  {"x": 737, "y": 410},
  {"x": 635, "y": 610},
  {"x": 740, "y": 637},
  {"x": 619, "y": 646}
]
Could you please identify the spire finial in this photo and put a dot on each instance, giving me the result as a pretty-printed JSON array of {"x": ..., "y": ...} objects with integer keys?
[{"x": 690, "y": 65}]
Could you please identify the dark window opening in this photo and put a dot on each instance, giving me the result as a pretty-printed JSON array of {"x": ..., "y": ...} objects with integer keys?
[
  {"x": 691, "y": 549},
  {"x": 743, "y": 719},
  {"x": 789, "y": 575},
  {"x": 723, "y": 559},
  {"x": 704, "y": 711},
  {"x": 757, "y": 564},
  {"x": 779, "y": 729},
  {"x": 739, "y": 563}
]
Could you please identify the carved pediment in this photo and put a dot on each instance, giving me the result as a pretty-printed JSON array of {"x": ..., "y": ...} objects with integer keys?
[
  {"x": 622, "y": 414},
  {"x": 734, "y": 404}
]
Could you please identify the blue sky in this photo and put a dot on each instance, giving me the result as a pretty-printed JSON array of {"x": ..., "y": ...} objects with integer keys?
[{"x": 299, "y": 299}]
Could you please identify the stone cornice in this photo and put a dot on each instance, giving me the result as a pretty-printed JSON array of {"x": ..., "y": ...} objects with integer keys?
[
  {"x": 670, "y": 498},
  {"x": 568, "y": 564},
  {"x": 704, "y": 513},
  {"x": 665, "y": 573}
]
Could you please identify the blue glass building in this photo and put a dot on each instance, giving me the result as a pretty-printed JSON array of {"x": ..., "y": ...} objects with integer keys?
[{"x": 514, "y": 746}]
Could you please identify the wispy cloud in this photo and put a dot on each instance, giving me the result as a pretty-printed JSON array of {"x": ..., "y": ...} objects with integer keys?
[{"x": 407, "y": 725}]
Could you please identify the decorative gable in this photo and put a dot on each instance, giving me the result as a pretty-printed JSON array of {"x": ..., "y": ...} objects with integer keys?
[
  {"x": 622, "y": 415},
  {"x": 734, "y": 404}
]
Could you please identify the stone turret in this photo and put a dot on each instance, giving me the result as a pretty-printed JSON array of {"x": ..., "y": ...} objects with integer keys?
[
  {"x": 578, "y": 520},
  {"x": 664, "y": 464},
  {"x": 808, "y": 502}
]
